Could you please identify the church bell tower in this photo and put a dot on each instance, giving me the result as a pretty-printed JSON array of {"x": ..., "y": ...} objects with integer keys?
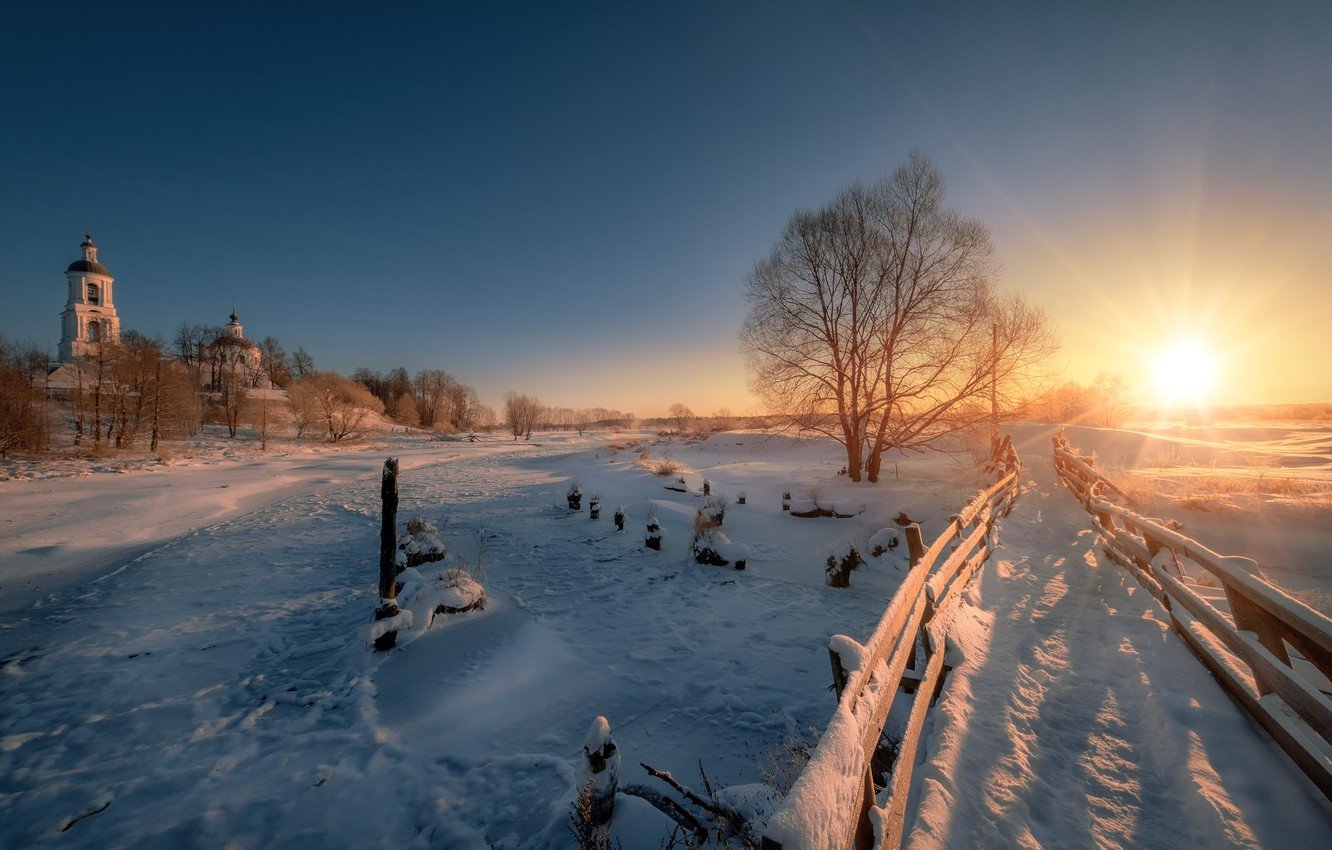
[{"x": 89, "y": 318}]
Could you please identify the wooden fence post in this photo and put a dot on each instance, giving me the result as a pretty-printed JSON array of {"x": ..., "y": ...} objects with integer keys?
[
  {"x": 839, "y": 673},
  {"x": 915, "y": 543},
  {"x": 388, "y": 553},
  {"x": 1251, "y": 618}
]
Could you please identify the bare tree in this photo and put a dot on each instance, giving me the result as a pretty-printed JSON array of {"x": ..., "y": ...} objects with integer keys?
[
  {"x": 22, "y": 398},
  {"x": 404, "y": 410},
  {"x": 274, "y": 362},
  {"x": 234, "y": 393},
  {"x": 522, "y": 412},
  {"x": 873, "y": 320},
  {"x": 1110, "y": 392},
  {"x": 680, "y": 416},
  {"x": 484, "y": 417},
  {"x": 260, "y": 418},
  {"x": 342, "y": 406},
  {"x": 302, "y": 364}
]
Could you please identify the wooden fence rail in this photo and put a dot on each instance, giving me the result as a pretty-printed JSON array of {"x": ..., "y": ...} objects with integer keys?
[
  {"x": 1272, "y": 652},
  {"x": 834, "y": 803}
]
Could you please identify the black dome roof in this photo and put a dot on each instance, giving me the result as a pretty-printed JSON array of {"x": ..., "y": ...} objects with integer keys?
[{"x": 89, "y": 266}]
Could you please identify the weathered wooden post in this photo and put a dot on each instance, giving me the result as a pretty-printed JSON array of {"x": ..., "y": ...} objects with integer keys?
[
  {"x": 740, "y": 498},
  {"x": 619, "y": 518},
  {"x": 594, "y": 507},
  {"x": 599, "y": 777},
  {"x": 388, "y": 553},
  {"x": 915, "y": 543}
]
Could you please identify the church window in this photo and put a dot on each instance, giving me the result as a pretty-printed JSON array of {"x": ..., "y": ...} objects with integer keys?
[
  {"x": 94, "y": 331},
  {"x": 93, "y": 294}
]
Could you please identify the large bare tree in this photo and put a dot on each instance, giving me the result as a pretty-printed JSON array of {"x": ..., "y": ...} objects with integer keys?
[{"x": 874, "y": 320}]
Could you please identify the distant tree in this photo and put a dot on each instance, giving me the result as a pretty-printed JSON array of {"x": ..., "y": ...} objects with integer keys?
[
  {"x": 1110, "y": 393},
  {"x": 274, "y": 362},
  {"x": 261, "y": 420},
  {"x": 191, "y": 340},
  {"x": 404, "y": 410},
  {"x": 722, "y": 420},
  {"x": 1069, "y": 402},
  {"x": 483, "y": 417},
  {"x": 431, "y": 389},
  {"x": 303, "y": 407},
  {"x": 302, "y": 364},
  {"x": 234, "y": 393},
  {"x": 22, "y": 398},
  {"x": 522, "y": 412},
  {"x": 680, "y": 417}
]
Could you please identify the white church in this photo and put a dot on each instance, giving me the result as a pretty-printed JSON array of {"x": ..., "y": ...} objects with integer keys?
[{"x": 89, "y": 321}]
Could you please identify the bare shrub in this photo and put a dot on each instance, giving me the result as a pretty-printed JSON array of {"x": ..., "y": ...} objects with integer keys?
[
  {"x": 666, "y": 468},
  {"x": 783, "y": 761},
  {"x": 583, "y": 825}
]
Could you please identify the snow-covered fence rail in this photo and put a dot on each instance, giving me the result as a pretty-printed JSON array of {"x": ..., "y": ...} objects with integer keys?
[
  {"x": 1272, "y": 652},
  {"x": 837, "y": 803}
]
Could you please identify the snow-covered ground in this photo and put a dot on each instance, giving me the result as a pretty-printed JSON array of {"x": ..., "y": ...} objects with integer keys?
[
  {"x": 189, "y": 673},
  {"x": 1081, "y": 720}
]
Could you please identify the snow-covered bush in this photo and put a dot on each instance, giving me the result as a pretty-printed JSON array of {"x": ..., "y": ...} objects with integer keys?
[
  {"x": 786, "y": 500},
  {"x": 654, "y": 534},
  {"x": 453, "y": 591},
  {"x": 619, "y": 518},
  {"x": 841, "y": 561},
  {"x": 594, "y": 506},
  {"x": 883, "y": 541},
  {"x": 575, "y": 496},
  {"x": 711, "y": 546},
  {"x": 423, "y": 544},
  {"x": 714, "y": 508}
]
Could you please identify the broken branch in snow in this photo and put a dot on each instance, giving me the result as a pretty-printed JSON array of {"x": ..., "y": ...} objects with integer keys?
[
  {"x": 736, "y": 822},
  {"x": 667, "y": 807}
]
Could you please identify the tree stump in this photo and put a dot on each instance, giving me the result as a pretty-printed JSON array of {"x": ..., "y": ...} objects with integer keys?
[
  {"x": 599, "y": 776},
  {"x": 575, "y": 497},
  {"x": 654, "y": 535}
]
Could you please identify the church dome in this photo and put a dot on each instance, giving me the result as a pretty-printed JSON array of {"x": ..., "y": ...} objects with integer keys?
[{"x": 88, "y": 267}]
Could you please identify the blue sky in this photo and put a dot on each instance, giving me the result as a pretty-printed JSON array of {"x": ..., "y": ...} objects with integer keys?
[{"x": 564, "y": 200}]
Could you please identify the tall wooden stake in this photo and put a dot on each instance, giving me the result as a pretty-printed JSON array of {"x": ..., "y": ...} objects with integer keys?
[
  {"x": 388, "y": 553},
  {"x": 994, "y": 386}
]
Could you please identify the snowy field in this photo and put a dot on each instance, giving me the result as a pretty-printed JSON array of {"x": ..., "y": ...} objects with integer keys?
[
  {"x": 180, "y": 653},
  {"x": 181, "y": 667}
]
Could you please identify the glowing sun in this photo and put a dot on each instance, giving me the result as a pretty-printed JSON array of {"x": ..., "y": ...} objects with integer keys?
[{"x": 1185, "y": 372}]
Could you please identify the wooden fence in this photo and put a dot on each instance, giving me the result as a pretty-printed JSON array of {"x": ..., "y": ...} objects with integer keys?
[
  {"x": 831, "y": 803},
  {"x": 1273, "y": 653}
]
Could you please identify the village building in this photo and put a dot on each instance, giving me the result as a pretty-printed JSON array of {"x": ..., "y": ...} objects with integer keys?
[
  {"x": 89, "y": 322},
  {"x": 89, "y": 317}
]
